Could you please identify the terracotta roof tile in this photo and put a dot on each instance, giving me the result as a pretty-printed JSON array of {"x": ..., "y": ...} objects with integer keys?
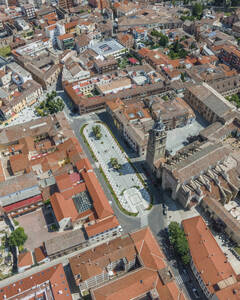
[
  {"x": 25, "y": 259},
  {"x": 39, "y": 254},
  {"x": 100, "y": 201},
  {"x": 56, "y": 277},
  {"x": 63, "y": 208},
  {"x": 207, "y": 256},
  {"x": 19, "y": 162},
  {"x": 99, "y": 227}
]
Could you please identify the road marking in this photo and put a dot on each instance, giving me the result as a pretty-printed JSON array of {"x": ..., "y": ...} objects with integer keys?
[{"x": 179, "y": 280}]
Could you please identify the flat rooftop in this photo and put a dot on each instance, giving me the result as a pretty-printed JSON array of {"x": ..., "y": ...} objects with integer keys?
[{"x": 107, "y": 47}]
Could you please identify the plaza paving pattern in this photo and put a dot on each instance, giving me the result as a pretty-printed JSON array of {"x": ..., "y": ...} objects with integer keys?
[{"x": 129, "y": 189}]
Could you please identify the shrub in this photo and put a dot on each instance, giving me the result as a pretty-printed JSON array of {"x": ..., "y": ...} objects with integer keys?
[{"x": 18, "y": 237}]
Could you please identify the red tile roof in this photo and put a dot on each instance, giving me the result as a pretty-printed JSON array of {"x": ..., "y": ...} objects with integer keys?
[
  {"x": 99, "y": 227},
  {"x": 207, "y": 256},
  {"x": 63, "y": 208},
  {"x": 65, "y": 36},
  {"x": 23, "y": 203},
  {"x": 100, "y": 201},
  {"x": 143, "y": 280},
  {"x": 2, "y": 177},
  {"x": 71, "y": 25},
  {"x": 63, "y": 182},
  {"x": 25, "y": 259},
  {"x": 83, "y": 164},
  {"x": 19, "y": 162},
  {"x": 39, "y": 254},
  {"x": 79, "y": 188},
  {"x": 27, "y": 286},
  {"x": 148, "y": 248},
  {"x": 128, "y": 287}
]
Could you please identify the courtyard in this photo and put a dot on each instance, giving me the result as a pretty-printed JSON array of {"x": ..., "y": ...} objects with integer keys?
[
  {"x": 177, "y": 137},
  {"x": 36, "y": 228},
  {"x": 127, "y": 186}
]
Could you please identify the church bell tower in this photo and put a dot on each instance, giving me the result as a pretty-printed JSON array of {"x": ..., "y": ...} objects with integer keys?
[{"x": 156, "y": 143}]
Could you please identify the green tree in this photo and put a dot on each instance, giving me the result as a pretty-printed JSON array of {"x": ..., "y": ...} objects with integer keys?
[
  {"x": 183, "y": 77},
  {"x": 50, "y": 105},
  {"x": 165, "y": 98},
  {"x": 235, "y": 99},
  {"x": 197, "y": 10},
  {"x": 156, "y": 33},
  {"x": 179, "y": 241},
  {"x": 97, "y": 132},
  {"x": 54, "y": 94},
  {"x": 174, "y": 231},
  {"x": 182, "y": 53},
  {"x": 115, "y": 164},
  {"x": 18, "y": 237},
  {"x": 163, "y": 41},
  {"x": 186, "y": 259},
  {"x": 176, "y": 46}
]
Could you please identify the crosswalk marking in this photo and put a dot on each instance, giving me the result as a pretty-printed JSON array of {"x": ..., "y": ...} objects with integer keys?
[{"x": 179, "y": 280}]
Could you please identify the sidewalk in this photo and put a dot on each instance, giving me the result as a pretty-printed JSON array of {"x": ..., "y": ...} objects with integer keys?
[{"x": 177, "y": 213}]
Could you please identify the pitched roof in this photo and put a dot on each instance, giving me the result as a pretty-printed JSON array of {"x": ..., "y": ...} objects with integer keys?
[
  {"x": 27, "y": 286},
  {"x": 128, "y": 287},
  {"x": 65, "y": 36},
  {"x": 63, "y": 182},
  {"x": 152, "y": 276},
  {"x": 83, "y": 164},
  {"x": 19, "y": 162},
  {"x": 25, "y": 259},
  {"x": 94, "y": 261},
  {"x": 63, "y": 208},
  {"x": 64, "y": 241},
  {"x": 39, "y": 253},
  {"x": 148, "y": 249},
  {"x": 99, "y": 227},
  {"x": 211, "y": 263},
  {"x": 100, "y": 201}
]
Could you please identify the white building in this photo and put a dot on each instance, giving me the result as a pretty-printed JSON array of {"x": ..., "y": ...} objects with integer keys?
[
  {"x": 109, "y": 47},
  {"x": 53, "y": 31},
  {"x": 19, "y": 74}
]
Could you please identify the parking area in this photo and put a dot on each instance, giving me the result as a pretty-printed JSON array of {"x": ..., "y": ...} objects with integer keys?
[
  {"x": 36, "y": 228},
  {"x": 125, "y": 182}
]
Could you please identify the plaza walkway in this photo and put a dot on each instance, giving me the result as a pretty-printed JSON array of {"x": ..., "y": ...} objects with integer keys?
[{"x": 125, "y": 182}]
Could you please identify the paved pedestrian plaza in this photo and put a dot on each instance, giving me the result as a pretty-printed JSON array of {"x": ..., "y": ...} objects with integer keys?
[{"x": 125, "y": 182}]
